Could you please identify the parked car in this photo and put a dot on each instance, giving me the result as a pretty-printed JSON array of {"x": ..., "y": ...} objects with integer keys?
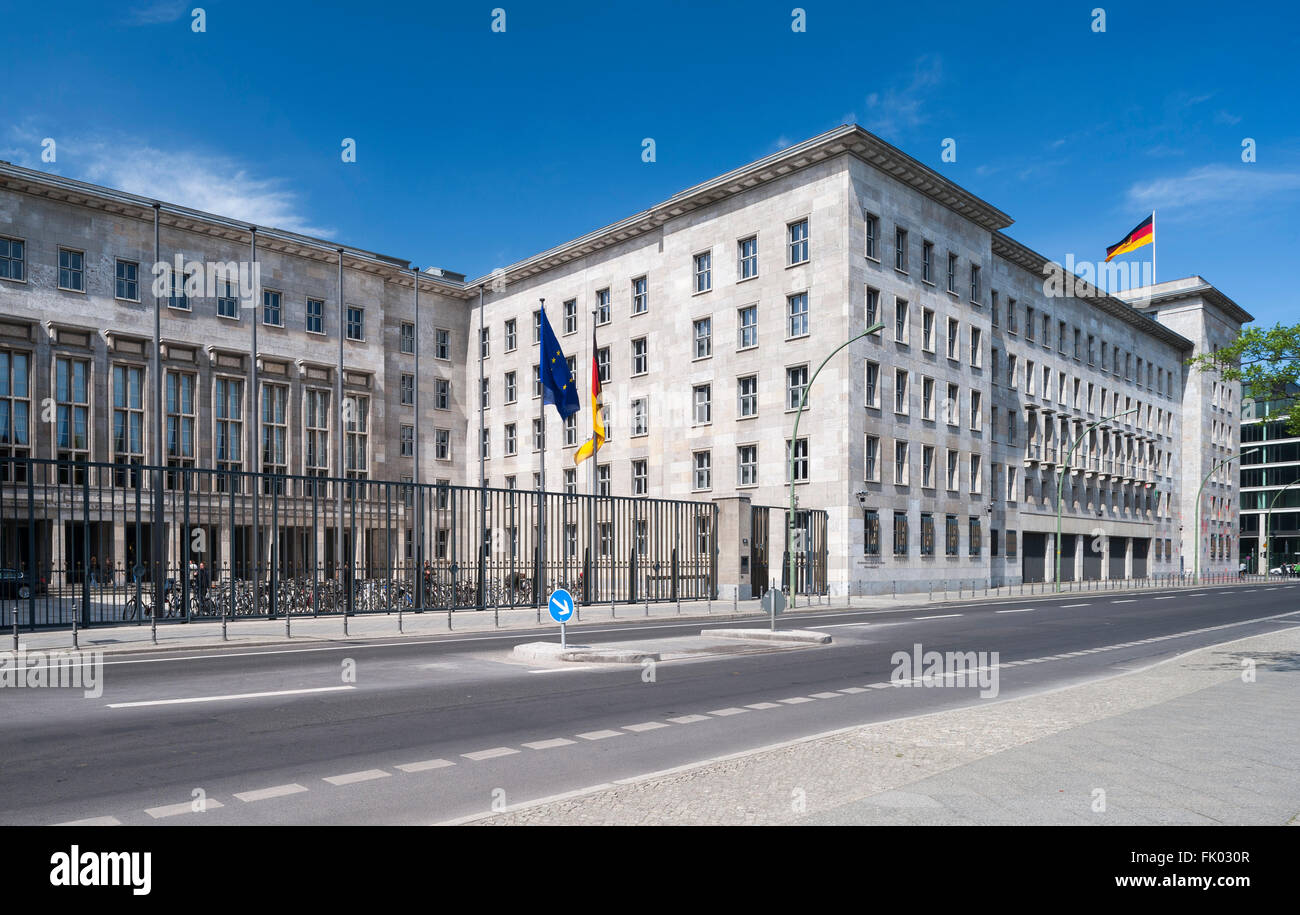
[{"x": 14, "y": 584}]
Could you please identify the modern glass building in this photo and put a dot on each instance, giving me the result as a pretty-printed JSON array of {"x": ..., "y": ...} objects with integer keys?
[{"x": 1270, "y": 478}]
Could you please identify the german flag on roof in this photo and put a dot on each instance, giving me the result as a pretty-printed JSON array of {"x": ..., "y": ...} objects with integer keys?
[{"x": 1144, "y": 234}]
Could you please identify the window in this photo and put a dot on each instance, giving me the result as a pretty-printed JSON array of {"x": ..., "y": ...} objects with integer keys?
[
  {"x": 702, "y": 399},
  {"x": 512, "y": 388},
  {"x": 927, "y": 534},
  {"x": 900, "y": 320},
  {"x": 797, "y": 313},
  {"x": 407, "y": 441},
  {"x": 537, "y": 435},
  {"x": 976, "y": 474},
  {"x": 1011, "y": 544},
  {"x": 873, "y": 307},
  {"x": 871, "y": 533},
  {"x": 72, "y": 409},
  {"x": 950, "y": 406},
  {"x": 639, "y": 478},
  {"x": 602, "y": 306},
  {"x": 640, "y": 360},
  {"x": 177, "y": 297},
  {"x": 537, "y": 327},
  {"x": 571, "y": 429},
  {"x": 485, "y": 341},
  {"x": 871, "y": 460},
  {"x": 900, "y": 250},
  {"x": 602, "y": 489},
  {"x": 1029, "y": 323},
  {"x": 316, "y": 423},
  {"x": 927, "y": 398},
  {"x": 900, "y": 391},
  {"x": 128, "y": 414},
  {"x": 485, "y": 443},
  {"x": 484, "y": 393},
  {"x": 796, "y": 378},
  {"x": 15, "y": 410},
  {"x": 602, "y": 364},
  {"x": 993, "y": 307},
  {"x": 442, "y": 444},
  {"x": 976, "y": 414},
  {"x": 954, "y": 335},
  {"x": 640, "y": 296},
  {"x": 227, "y": 303},
  {"x": 873, "y": 236},
  {"x": 974, "y": 283},
  {"x": 571, "y": 486},
  {"x": 441, "y": 343},
  {"x": 927, "y": 261},
  {"x": 72, "y": 270},
  {"x": 272, "y": 315},
  {"x": 512, "y": 338},
  {"x": 747, "y": 395},
  {"x": 571, "y": 316},
  {"x": 703, "y": 478},
  {"x": 873, "y": 384},
  {"x": 316, "y": 324},
  {"x": 1011, "y": 370},
  {"x": 12, "y": 262},
  {"x": 976, "y": 344},
  {"x": 797, "y": 236},
  {"x": 927, "y": 330},
  {"x": 952, "y": 536},
  {"x": 1078, "y": 339},
  {"x": 1011, "y": 496},
  {"x": 900, "y": 464},
  {"x": 927, "y": 467},
  {"x": 128, "y": 281},
  {"x": 900, "y": 533},
  {"x": 747, "y": 465},
  {"x": 441, "y": 394},
  {"x": 748, "y": 256},
  {"x": 1060, "y": 337},
  {"x": 407, "y": 389},
  {"x": 1011, "y": 315},
  {"x": 356, "y": 428},
  {"x": 703, "y": 338},
  {"x": 704, "y": 271},
  {"x": 180, "y": 418},
  {"x": 974, "y": 540},
  {"x": 747, "y": 321},
  {"x": 640, "y": 417},
  {"x": 952, "y": 272},
  {"x": 800, "y": 460}
]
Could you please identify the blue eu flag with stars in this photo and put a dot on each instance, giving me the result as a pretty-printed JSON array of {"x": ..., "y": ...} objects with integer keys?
[{"x": 558, "y": 386}]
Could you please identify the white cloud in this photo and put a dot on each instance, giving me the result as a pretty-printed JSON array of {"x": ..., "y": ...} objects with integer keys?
[
  {"x": 212, "y": 183},
  {"x": 159, "y": 11},
  {"x": 900, "y": 107},
  {"x": 1221, "y": 186}
]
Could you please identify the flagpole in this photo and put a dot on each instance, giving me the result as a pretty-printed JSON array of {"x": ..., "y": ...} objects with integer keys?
[
  {"x": 590, "y": 586},
  {"x": 1153, "y": 247},
  {"x": 541, "y": 448}
]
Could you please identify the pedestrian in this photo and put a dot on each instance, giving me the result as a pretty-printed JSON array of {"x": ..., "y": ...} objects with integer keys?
[
  {"x": 94, "y": 572},
  {"x": 202, "y": 582}
]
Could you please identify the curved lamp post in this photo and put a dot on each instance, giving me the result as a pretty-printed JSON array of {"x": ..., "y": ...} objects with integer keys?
[
  {"x": 1196, "y": 561},
  {"x": 794, "y": 441},
  {"x": 1268, "y": 525},
  {"x": 1060, "y": 483}
]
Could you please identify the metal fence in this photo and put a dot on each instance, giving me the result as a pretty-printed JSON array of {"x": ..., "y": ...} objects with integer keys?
[
  {"x": 109, "y": 543},
  {"x": 809, "y": 555}
]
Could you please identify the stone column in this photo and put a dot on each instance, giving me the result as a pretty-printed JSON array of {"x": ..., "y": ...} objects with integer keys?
[{"x": 734, "y": 529}]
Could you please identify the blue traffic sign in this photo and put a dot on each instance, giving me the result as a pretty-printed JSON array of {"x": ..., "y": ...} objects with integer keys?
[{"x": 561, "y": 605}]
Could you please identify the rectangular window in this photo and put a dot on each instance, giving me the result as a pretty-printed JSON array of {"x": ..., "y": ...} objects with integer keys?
[
  {"x": 640, "y": 296},
  {"x": 228, "y": 428},
  {"x": 703, "y": 338},
  {"x": 873, "y": 384},
  {"x": 796, "y": 378},
  {"x": 227, "y": 302},
  {"x": 602, "y": 489},
  {"x": 72, "y": 409},
  {"x": 702, "y": 400},
  {"x": 1029, "y": 323},
  {"x": 72, "y": 270},
  {"x": 441, "y": 343},
  {"x": 640, "y": 357},
  {"x": 976, "y": 345},
  {"x": 537, "y": 327},
  {"x": 407, "y": 389},
  {"x": 571, "y": 429},
  {"x": 704, "y": 271},
  {"x": 954, "y": 338},
  {"x": 873, "y": 236},
  {"x": 900, "y": 250},
  {"x": 602, "y": 306},
  {"x": 871, "y": 533},
  {"x": 800, "y": 460},
  {"x": 900, "y": 464},
  {"x": 900, "y": 533},
  {"x": 128, "y": 413},
  {"x": 954, "y": 471},
  {"x": 316, "y": 324},
  {"x": 797, "y": 237},
  {"x": 747, "y": 321},
  {"x": 485, "y": 341},
  {"x": 950, "y": 406},
  {"x": 927, "y": 467},
  {"x": 441, "y": 394},
  {"x": 927, "y": 330},
  {"x": 316, "y": 424},
  {"x": 952, "y": 536},
  {"x": 927, "y": 398},
  {"x": 1011, "y": 315},
  {"x": 900, "y": 391},
  {"x": 407, "y": 441},
  {"x": 747, "y": 465},
  {"x": 747, "y": 395},
  {"x": 602, "y": 365},
  {"x": 640, "y": 417},
  {"x": 900, "y": 320},
  {"x": 180, "y": 417},
  {"x": 748, "y": 257},
  {"x": 976, "y": 413},
  {"x": 272, "y": 314},
  {"x": 571, "y": 487},
  {"x": 512, "y": 387},
  {"x": 871, "y": 463},
  {"x": 127, "y": 285},
  {"x": 442, "y": 444},
  {"x": 13, "y": 265},
  {"x": 512, "y": 337},
  {"x": 571, "y": 316},
  {"x": 15, "y": 412},
  {"x": 797, "y": 314},
  {"x": 484, "y": 390},
  {"x": 639, "y": 478},
  {"x": 275, "y": 434},
  {"x": 974, "y": 284},
  {"x": 976, "y": 474},
  {"x": 927, "y": 534},
  {"x": 873, "y": 307},
  {"x": 703, "y": 464},
  {"x": 927, "y": 261},
  {"x": 356, "y": 429}
]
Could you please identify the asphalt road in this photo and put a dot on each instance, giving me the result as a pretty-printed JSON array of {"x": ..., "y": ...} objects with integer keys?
[{"x": 430, "y": 731}]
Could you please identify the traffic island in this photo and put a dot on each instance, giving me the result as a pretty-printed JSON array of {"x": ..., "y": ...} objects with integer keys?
[
  {"x": 552, "y": 651},
  {"x": 802, "y": 636}
]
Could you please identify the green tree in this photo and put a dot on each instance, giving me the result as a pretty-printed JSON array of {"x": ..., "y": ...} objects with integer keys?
[{"x": 1266, "y": 362}]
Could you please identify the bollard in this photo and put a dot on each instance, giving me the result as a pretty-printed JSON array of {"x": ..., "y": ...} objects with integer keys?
[
  {"x": 448, "y": 618},
  {"x": 399, "y": 621},
  {"x": 647, "y": 605},
  {"x": 611, "y": 608},
  {"x": 496, "y": 618},
  {"x": 15, "y": 627},
  {"x": 679, "y": 605},
  {"x": 74, "y": 621}
]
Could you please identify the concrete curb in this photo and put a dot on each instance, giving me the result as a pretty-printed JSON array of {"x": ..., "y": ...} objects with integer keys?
[
  {"x": 551, "y": 651},
  {"x": 803, "y": 636}
]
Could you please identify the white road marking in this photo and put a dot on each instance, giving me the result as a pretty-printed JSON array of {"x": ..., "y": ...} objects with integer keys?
[
  {"x": 425, "y": 765},
  {"x": 600, "y": 735},
  {"x": 1070, "y": 606},
  {"x": 944, "y": 616},
  {"x": 550, "y": 744},
  {"x": 93, "y": 821},
  {"x": 854, "y": 690},
  {"x": 644, "y": 726},
  {"x": 1130, "y": 600},
  {"x": 1031, "y": 609},
  {"x": 283, "y": 692},
  {"x": 689, "y": 719},
  {"x": 825, "y": 695},
  {"x": 760, "y": 706},
  {"x": 265, "y": 794},
  {"x": 725, "y": 712},
  {"x": 480, "y": 755},
  {"x": 172, "y": 810},
  {"x": 1170, "y": 597},
  {"x": 796, "y": 700},
  {"x": 351, "y": 778}
]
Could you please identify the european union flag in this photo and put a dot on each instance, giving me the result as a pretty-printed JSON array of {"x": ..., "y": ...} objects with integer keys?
[{"x": 558, "y": 386}]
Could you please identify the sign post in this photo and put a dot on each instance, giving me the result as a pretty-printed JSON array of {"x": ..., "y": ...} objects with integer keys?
[
  {"x": 773, "y": 603},
  {"x": 561, "y": 607}
]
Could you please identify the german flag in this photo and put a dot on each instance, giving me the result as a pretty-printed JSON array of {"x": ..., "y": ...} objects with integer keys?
[
  {"x": 1144, "y": 234},
  {"x": 592, "y": 445}
]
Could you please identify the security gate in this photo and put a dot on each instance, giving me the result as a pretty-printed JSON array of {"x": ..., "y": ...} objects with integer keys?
[
  {"x": 1034, "y": 566},
  {"x": 1091, "y": 559},
  {"x": 1118, "y": 553},
  {"x": 1141, "y": 548},
  {"x": 759, "y": 516}
]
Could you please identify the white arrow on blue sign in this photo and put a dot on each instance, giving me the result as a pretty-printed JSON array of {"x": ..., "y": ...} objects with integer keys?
[{"x": 561, "y": 605}]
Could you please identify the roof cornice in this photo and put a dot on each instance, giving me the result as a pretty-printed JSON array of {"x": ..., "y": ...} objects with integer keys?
[{"x": 1203, "y": 290}]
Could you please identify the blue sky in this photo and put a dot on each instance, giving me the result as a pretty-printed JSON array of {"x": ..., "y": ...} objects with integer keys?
[{"x": 477, "y": 148}]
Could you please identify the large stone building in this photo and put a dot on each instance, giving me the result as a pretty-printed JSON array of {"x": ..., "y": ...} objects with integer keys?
[{"x": 934, "y": 446}]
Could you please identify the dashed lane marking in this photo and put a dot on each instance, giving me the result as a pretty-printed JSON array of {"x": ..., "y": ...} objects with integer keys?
[
  {"x": 644, "y": 726},
  {"x": 424, "y": 765},
  {"x": 265, "y": 794},
  {"x": 689, "y": 719},
  {"x": 600, "y": 735},
  {"x": 727, "y": 712},
  {"x": 480, "y": 755},
  {"x": 351, "y": 778},
  {"x": 550, "y": 744},
  {"x": 172, "y": 810},
  {"x": 93, "y": 821}
]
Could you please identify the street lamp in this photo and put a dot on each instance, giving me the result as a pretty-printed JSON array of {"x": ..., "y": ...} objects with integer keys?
[
  {"x": 1060, "y": 482},
  {"x": 1196, "y": 560},
  {"x": 794, "y": 441}
]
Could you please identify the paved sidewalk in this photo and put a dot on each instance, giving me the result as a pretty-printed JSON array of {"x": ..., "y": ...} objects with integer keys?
[
  {"x": 245, "y": 632},
  {"x": 1186, "y": 742}
]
